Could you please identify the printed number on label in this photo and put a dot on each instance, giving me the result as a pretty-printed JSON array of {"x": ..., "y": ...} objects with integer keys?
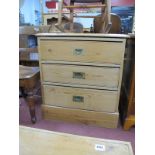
[{"x": 99, "y": 147}]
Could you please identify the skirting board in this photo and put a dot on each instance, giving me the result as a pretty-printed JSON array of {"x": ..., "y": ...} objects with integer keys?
[{"x": 103, "y": 119}]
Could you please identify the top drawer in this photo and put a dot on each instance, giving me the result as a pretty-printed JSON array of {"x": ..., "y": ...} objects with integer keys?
[{"x": 82, "y": 51}]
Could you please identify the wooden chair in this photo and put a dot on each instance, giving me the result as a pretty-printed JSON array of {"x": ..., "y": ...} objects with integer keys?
[
  {"x": 105, "y": 12},
  {"x": 115, "y": 24}
]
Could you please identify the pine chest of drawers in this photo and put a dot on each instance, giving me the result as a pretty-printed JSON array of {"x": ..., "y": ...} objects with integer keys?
[{"x": 81, "y": 77}]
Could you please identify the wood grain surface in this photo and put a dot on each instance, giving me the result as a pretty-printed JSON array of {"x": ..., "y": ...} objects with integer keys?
[{"x": 42, "y": 142}]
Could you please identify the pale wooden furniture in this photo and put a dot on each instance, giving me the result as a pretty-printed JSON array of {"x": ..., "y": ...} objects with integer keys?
[
  {"x": 127, "y": 99},
  {"x": 42, "y": 142},
  {"x": 105, "y": 9},
  {"x": 48, "y": 16},
  {"x": 81, "y": 76},
  {"x": 28, "y": 79}
]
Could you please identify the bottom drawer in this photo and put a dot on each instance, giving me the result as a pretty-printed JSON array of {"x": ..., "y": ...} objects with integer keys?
[
  {"x": 80, "y": 98},
  {"x": 103, "y": 119}
]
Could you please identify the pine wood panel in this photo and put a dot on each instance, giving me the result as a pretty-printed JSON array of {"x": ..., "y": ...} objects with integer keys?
[
  {"x": 103, "y": 119},
  {"x": 85, "y": 75},
  {"x": 42, "y": 142},
  {"x": 80, "y": 98},
  {"x": 83, "y": 51}
]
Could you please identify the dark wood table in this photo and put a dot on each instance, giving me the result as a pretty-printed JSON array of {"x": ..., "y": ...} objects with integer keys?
[
  {"x": 29, "y": 57},
  {"x": 28, "y": 79}
]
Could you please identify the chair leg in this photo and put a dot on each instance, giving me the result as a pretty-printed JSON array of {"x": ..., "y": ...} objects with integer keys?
[
  {"x": 60, "y": 4},
  {"x": 23, "y": 94},
  {"x": 31, "y": 104},
  {"x": 60, "y": 8},
  {"x": 71, "y": 20}
]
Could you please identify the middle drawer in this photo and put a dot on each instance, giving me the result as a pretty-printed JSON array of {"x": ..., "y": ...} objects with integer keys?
[{"x": 83, "y": 75}]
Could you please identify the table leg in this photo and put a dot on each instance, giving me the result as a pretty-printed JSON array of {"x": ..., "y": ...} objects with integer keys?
[
  {"x": 129, "y": 122},
  {"x": 31, "y": 104}
]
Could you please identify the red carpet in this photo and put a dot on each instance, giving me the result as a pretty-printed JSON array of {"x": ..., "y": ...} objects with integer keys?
[{"x": 77, "y": 129}]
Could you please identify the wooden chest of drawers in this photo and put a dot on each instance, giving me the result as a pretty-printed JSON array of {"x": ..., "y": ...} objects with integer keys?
[{"x": 81, "y": 77}]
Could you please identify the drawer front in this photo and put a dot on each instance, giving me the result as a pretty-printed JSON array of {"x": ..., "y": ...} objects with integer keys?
[
  {"x": 83, "y": 51},
  {"x": 80, "y": 98},
  {"x": 84, "y": 75}
]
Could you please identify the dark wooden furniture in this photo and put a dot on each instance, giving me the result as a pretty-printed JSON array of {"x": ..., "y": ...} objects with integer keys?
[
  {"x": 130, "y": 119},
  {"x": 28, "y": 79},
  {"x": 28, "y": 52},
  {"x": 127, "y": 98},
  {"x": 28, "y": 57},
  {"x": 115, "y": 24}
]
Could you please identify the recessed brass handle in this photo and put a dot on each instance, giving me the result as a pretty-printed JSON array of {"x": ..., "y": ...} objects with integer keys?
[
  {"x": 78, "y": 75},
  {"x": 78, "y": 51},
  {"x": 49, "y": 50},
  {"x": 78, "y": 99}
]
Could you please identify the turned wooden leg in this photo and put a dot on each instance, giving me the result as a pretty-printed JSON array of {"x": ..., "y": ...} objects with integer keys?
[
  {"x": 23, "y": 94},
  {"x": 31, "y": 104}
]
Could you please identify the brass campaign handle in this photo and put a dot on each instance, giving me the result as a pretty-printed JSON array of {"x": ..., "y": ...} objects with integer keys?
[
  {"x": 78, "y": 75},
  {"x": 78, "y": 99}
]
